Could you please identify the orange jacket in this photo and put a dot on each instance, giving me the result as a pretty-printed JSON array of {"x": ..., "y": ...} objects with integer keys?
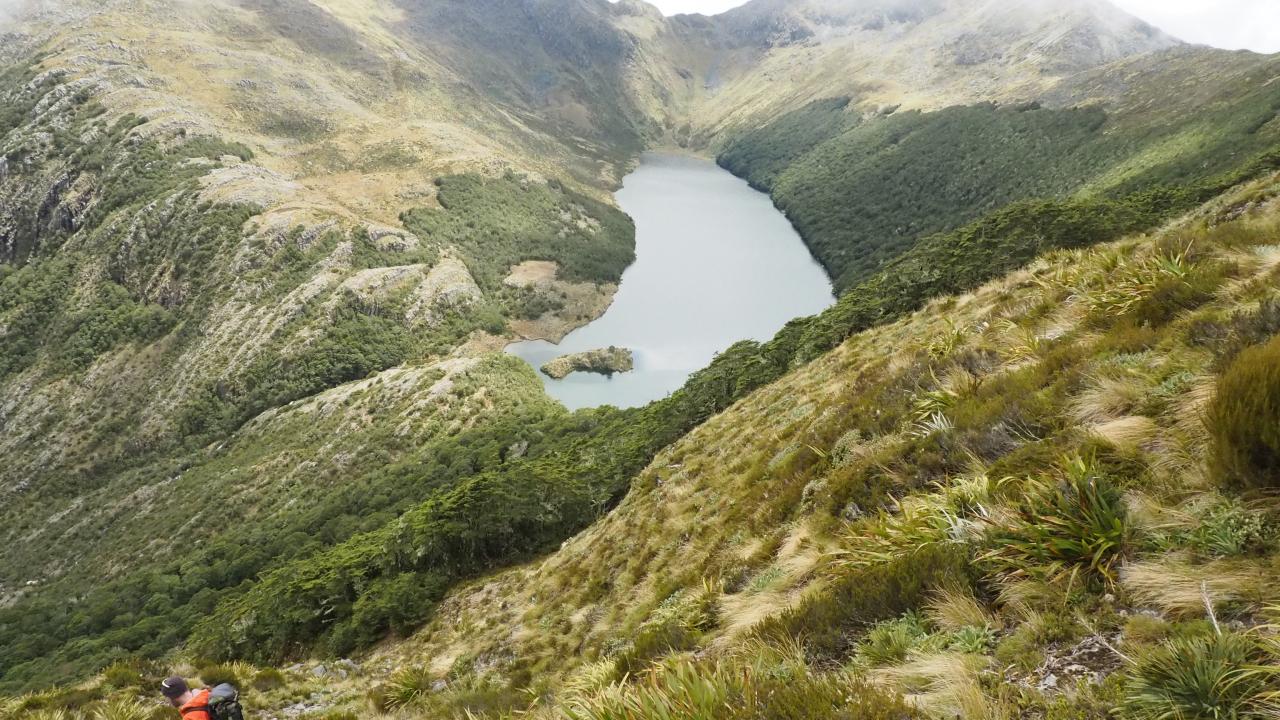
[{"x": 197, "y": 708}]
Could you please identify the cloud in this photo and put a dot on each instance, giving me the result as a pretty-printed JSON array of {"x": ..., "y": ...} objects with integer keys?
[
  {"x": 706, "y": 7},
  {"x": 1231, "y": 24},
  {"x": 9, "y": 10}
]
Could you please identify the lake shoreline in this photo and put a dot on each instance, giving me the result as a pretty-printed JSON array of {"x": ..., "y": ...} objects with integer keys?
[{"x": 716, "y": 262}]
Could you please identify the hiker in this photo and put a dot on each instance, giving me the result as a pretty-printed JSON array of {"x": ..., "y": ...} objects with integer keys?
[
  {"x": 192, "y": 705},
  {"x": 220, "y": 703}
]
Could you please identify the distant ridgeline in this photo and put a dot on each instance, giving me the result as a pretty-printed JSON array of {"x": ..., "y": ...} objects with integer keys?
[{"x": 900, "y": 209}]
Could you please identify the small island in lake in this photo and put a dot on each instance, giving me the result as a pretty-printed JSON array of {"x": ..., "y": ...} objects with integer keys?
[{"x": 605, "y": 361}]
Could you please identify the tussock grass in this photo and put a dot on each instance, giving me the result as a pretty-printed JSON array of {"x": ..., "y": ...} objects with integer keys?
[
  {"x": 235, "y": 673},
  {"x": 49, "y": 714},
  {"x": 677, "y": 624},
  {"x": 1129, "y": 432},
  {"x": 767, "y": 686},
  {"x": 952, "y": 515},
  {"x": 590, "y": 678},
  {"x": 1207, "y": 677},
  {"x": 942, "y": 684},
  {"x": 124, "y": 709},
  {"x": 890, "y": 641},
  {"x": 1108, "y": 398},
  {"x": 955, "y": 608},
  {"x": 1066, "y": 529},
  {"x": 405, "y": 688},
  {"x": 1180, "y": 587}
]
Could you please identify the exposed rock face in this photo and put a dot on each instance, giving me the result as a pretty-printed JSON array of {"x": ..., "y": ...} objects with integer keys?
[
  {"x": 447, "y": 286},
  {"x": 605, "y": 361},
  {"x": 247, "y": 184}
]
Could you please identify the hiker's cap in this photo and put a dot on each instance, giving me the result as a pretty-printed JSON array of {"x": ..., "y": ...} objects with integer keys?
[{"x": 173, "y": 687}]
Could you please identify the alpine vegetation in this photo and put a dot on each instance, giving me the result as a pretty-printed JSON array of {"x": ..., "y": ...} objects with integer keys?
[{"x": 265, "y": 454}]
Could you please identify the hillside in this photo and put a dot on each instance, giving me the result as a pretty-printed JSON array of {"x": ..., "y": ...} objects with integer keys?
[
  {"x": 909, "y": 54},
  {"x": 872, "y": 534},
  {"x": 259, "y": 259},
  {"x": 888, "y": 509},
  {"x": 862, "y": 190},
  {"x": 163, "y": 292}
]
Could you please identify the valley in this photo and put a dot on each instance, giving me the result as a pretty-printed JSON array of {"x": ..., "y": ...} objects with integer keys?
[{"x": 957, "y": 401}]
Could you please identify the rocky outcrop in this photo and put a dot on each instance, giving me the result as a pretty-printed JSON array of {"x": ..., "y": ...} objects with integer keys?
[
  {"x": 247, "y": 184},
  {"x": 448, "y": 287},
  {"x": 605, "y": 361}
]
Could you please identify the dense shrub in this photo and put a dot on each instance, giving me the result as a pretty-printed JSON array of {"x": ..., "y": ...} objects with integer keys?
[
  {"x": 868, "y": 194},
  {"x": 352, "y": 346},
  {"x": 397, "y": 603},
  {"x": 862, "y": 192},
  {"x": 18, "y": 106},
  {"x": 1244, "y": 419},
  {"x": 499, "y": 222},
  {"x": 762, "y": 154}
]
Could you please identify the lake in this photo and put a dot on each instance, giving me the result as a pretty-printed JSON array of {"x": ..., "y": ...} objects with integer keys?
[{"x": 715, "y": 263}]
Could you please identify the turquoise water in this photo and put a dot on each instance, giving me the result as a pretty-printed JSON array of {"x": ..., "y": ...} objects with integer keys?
[{"x": 715, "y": 263}]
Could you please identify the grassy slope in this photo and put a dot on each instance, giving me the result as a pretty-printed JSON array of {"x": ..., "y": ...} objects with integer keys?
[{"x": 862, "y": 513}]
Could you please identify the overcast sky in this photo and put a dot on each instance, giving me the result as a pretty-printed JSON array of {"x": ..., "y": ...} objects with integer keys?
[{"x": 1233, "y": 24}]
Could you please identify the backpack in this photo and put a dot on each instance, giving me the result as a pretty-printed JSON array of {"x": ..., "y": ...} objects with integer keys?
[{"x": 224, "y": 703}]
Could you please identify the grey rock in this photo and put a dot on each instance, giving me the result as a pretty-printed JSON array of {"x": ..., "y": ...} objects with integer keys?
[{"x": 517, "y": 449}]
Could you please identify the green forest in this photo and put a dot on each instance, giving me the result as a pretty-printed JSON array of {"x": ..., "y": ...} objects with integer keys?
[{"x": 862, "y": 192}]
